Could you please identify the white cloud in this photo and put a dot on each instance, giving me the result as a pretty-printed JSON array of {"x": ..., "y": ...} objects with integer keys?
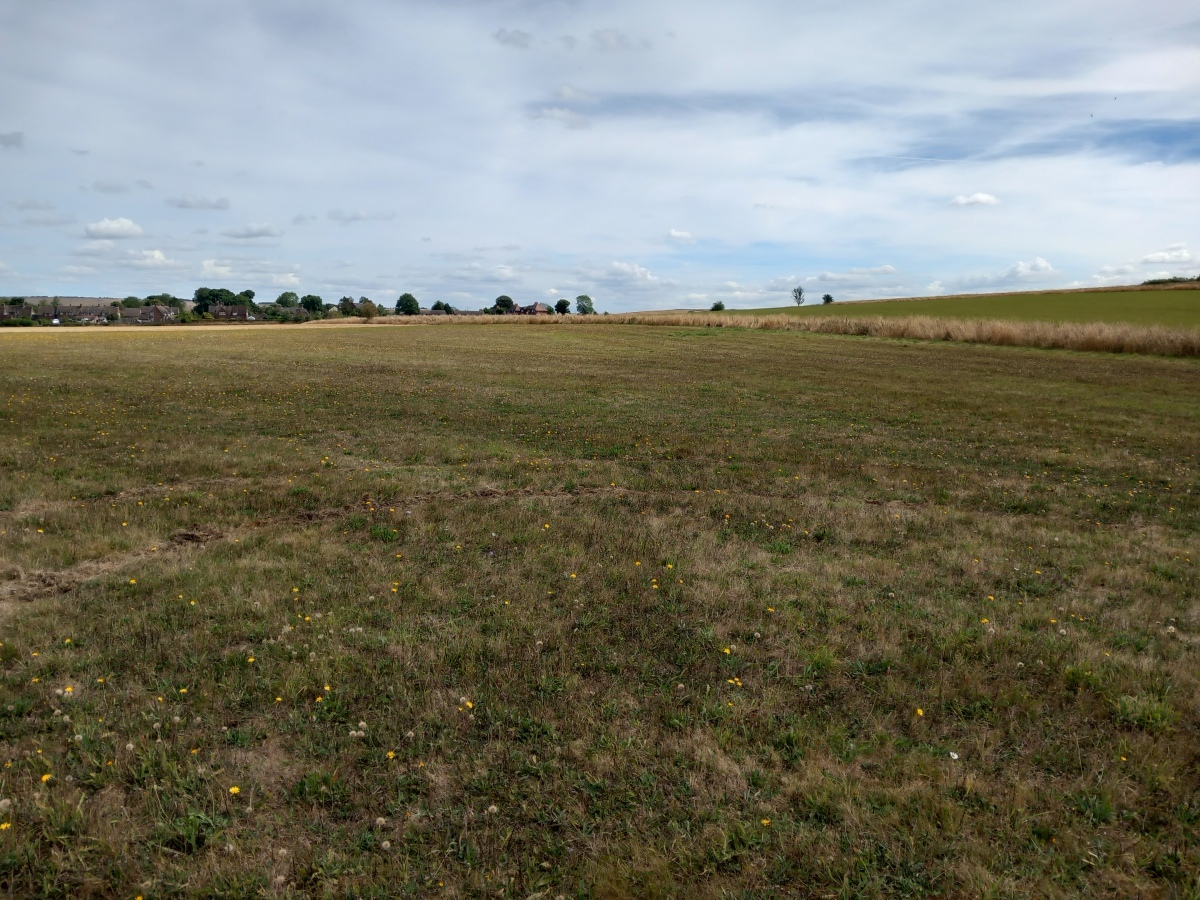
[
  {"x": 515, "y": 38},
  {"x": 249, "y": 232},
  {"x": 1019, "y": 272},
  {"x": 680, "y": 237},
  {"x": 567, "y": 117},
  {"x": 155, "y": 259},
  {"x": 212, "y": 268},
  {"x": 345, "y": 217},
  {"x": 191, "y": 201},
  {"x": 38, "y": 205},
  {"x": 110, "y": 187},
  {"x": 1175, "y": 253},
  {"x": 113, "y": 228},
  {"x": 285, "y": 279},
  {"x": 978, "y": 199},
  {"x": 631, "y": 273},
  {"x": 568, "y": 94}
]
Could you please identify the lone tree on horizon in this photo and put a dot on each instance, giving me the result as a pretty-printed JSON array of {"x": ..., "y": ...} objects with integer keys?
[
  {"x": 798, "y": 295},
  {"x": 827, "y": 298},
  {"x": 406, "y": 305},
  {"x": 584, "y": 305}
]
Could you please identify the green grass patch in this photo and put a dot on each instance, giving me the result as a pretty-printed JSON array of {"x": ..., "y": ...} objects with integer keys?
[
  {"x": 1176, "y": 308},
  {"x": 594, "y": 612}
]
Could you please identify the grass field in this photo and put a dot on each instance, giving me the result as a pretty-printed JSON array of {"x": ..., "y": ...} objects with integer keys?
[
  {"x": 616, "y": 612},
  {"x": 1173, "y": 308}
]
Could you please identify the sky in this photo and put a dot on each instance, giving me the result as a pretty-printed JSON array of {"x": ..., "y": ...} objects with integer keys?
[{"x": 656, "y": 154}]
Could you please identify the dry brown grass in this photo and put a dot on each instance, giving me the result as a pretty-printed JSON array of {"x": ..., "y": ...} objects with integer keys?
[
  {"x": 1096, "y": 337},
  {"x": 628, "y": 612}
]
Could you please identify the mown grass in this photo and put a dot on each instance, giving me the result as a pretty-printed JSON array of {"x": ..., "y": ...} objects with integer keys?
[
  {"x": 1171, "y": 308},
  {"x": 594, "y": 612}
]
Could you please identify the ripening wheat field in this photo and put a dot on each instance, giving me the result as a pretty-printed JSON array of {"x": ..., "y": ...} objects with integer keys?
[{"x": 615, "y": 612}]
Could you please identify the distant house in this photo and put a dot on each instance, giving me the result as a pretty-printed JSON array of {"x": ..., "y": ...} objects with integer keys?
[
  {"x": 22, "y": 311},
  {"x": 533, "y": 309},
  {"x": 228, "y": 313},
  {"x": 433, "y": 312}
]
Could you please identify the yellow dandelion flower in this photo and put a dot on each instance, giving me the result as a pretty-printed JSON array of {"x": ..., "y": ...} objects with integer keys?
[
  {"x": 766, "y": 821},
  {"x": 920, "y": 712},
  {"x": 726, "y": 650},
  {"x": 46, "y": 777},
  {"x": 249, "y": 659},
  {"x": 391, "y": 754},
  {"x": 235, "y": 790},
  {"x": 133, "y": 581},
  {"x": 183, "y": 690},
  {"x": 4, "y": 826},
  {"x": 983, "y": 621}
]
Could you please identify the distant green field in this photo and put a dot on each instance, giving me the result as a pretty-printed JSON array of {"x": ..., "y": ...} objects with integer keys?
[{"x": 1176, "y": 308}]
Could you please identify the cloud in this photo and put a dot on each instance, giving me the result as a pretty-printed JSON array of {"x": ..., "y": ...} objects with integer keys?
[
  {"x": 191, "y": 201},
  {"x": 39, "y": 205},
  {"x": 568, "y": 94},
  {"x": 110, "y": 187},
  {"x": 14, "y": 140},
  {"x": 680, "y": 237},
  {"x": 854, "y": 277},
  {"x": 113, "y": 228},
  {"x": 1176, "y": 253},
  {"x": 301, "y": 219},
  {"x": 144, "y": 184},
  {"x": 1018, "y": 273},
  {"x": 630, "y": 274},
  {"x": 609, "y": 40},
  {"x": 212, "y": 268},
  {"x": 49, "y": 219},
  {"x": 567, "y": 117},
  {"x": 515, "y": 38},
  {"x": 249, "y": 232},
  {"x": 345, "y": 217},
  {"x": 285, "y": 279},
  {"x": 978, "y": 199},
  {"x": 154, "y": 259}
]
